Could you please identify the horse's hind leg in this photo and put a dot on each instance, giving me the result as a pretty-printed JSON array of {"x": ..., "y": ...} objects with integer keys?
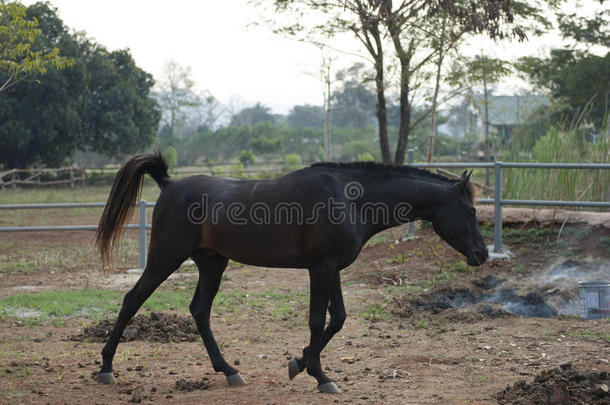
[
  {"x": 158, "y": 268},
  {"x": 211, "y": 266},
  {"x": 337, "y": 318}
]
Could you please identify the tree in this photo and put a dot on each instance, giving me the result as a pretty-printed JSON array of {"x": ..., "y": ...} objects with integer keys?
[
  {"x": 175, "y": 94},
  {"x": 119, "y": 115},
  {"x": 481, "y": 71},
  {"x": 577, "y": 79},
  {"x": 361, "y": 18},
  {"x": 404, "y": 22},
  {"x": 371, "y": 20},
  {"x": 301, "y": 116},
  {"x": 208, "y": 111},
  {"x": 18, "y": 57},
  {"x": 325, "y": 73},
  {"x": 354, "y": 101},
  {"x": 101, "y": 103},
  {"x": 252, "y": 115}
]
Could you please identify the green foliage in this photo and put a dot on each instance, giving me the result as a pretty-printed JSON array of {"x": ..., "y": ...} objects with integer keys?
[
  {"x": 577, "y": 79},
  {"x": 101, "y": 103},
  {"x": 292, "y": 162},
  {"x": 577, "y": 82},
  {"x": 19, "y": 57},
  {"x": 236, "y": 171},
  {"x": 264, "y": 145},
  {"x": 252, "y": 116},
  {"x": 478, "y": 70},
  {"x": 365, "y": 157},
  {"x": 171, "y": 156},
  {"x": 246, "y": 157},
  {"x": 301, "y": 116},
  {"x": 592, "y": 30},
  {"x": 275, "y": 140}
]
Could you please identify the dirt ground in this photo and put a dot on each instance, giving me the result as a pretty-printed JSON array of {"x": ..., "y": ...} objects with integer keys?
[{"x": 390, "y": 350}]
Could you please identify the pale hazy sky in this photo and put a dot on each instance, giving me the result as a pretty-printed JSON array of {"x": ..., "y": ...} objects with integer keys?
[{"x": 212, "y": 37}]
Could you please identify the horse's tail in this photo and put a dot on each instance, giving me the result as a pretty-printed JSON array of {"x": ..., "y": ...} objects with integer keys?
[{"x": 122, "y": 199}]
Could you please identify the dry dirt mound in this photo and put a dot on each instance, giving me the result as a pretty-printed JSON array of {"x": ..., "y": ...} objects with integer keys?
[
  {"x": 156, "y": 327},
  {"x": 188, "y": 385},
  {"x": 559, "y": 386}
]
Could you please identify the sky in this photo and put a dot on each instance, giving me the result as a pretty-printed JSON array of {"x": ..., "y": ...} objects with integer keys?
[
  {"x": 211, "y": 37},
  {"x": 231, "y": 59}
]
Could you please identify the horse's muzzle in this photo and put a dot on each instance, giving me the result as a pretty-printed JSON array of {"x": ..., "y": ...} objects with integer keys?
[{"x": 477, "y": 257}]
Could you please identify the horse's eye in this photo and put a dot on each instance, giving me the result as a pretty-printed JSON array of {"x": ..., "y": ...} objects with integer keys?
[{"x": 473, "y": 211}]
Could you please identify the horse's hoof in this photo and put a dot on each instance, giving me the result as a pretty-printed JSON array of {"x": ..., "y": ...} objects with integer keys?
[
  {"x": 236, "y": 380},
  {"x": 329, "y": 388},
  {"x": 293, "y": 368},
  {"x": 106, "y": 378}
]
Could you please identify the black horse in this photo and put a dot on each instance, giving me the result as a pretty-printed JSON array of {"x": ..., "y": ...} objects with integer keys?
[{"x": 317, "y": 218}]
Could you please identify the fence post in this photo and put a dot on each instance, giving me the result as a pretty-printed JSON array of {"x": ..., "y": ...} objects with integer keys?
[
  {"x": 497, "y": 207},
  {"x": 411, "y": 223},
  {"x": 142, "y": 234}
]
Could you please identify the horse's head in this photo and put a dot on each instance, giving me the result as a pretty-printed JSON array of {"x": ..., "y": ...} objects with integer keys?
[{"x": 456, "y": 222}]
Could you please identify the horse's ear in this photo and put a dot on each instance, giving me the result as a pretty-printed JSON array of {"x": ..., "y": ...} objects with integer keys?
[{"x": 465, "y": 178}]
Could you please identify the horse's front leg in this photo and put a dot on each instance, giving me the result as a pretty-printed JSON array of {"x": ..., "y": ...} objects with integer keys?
[{"x": 321, "y": 281}]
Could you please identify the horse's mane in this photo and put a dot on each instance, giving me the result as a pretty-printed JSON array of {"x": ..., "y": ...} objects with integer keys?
[
  {"x": 412, "y": 172},
  {"x": 386, "y": 168}
]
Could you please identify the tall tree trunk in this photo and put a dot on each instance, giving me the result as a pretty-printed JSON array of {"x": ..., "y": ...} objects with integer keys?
[
  {"x": 433, "y": 112},
  {"x": 371, "y": 39},
  {"x": 394, "y": 29},
  {"x": 487, "y": 182},
  {"x": 437, "y": 84},
  {"x": 328, "y": 154},
  {"x": 382, "y": 112},
  {"x": 405, "y": 113}
]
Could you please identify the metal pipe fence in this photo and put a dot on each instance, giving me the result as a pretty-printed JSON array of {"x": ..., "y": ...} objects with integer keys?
[
  {"x": 497, "y": 201},
  {"x": 142, "y": 226}
]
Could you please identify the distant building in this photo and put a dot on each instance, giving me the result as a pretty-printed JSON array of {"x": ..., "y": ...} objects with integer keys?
[
  {"x": 508, "y": 112},
  {"x": 466, "y": 120}
]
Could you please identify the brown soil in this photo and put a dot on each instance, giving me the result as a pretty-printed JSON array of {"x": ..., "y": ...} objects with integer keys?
[
  {"x": 393, "y": 356},
  {"x": 559, "y": 386}
]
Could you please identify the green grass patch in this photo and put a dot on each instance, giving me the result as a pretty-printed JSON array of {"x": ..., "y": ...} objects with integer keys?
[
  {"x": 589, "y": 335},
  {"x": 85, "y": 303},
  {"x": 90, "y": 303},
  {"x": 375, "y": 312}
]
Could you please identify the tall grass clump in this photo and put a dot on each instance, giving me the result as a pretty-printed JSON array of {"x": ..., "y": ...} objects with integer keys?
[{"x": 572, "y": 145}]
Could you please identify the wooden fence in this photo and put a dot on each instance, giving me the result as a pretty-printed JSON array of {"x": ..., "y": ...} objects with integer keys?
[{"x": 42, "y": 177}]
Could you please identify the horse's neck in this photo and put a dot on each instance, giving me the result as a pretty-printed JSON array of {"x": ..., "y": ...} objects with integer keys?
[{"x": 422, "y": 196}]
